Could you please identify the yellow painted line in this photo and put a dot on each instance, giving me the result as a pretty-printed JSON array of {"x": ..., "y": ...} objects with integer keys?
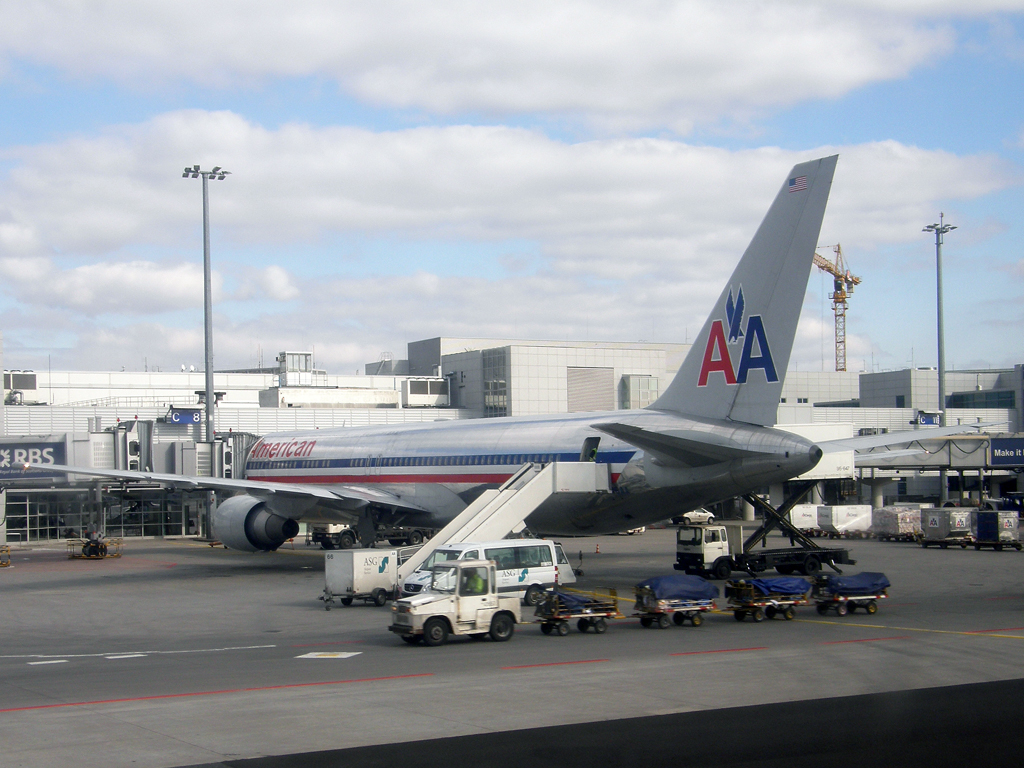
[{"x": 912, "y": 629}]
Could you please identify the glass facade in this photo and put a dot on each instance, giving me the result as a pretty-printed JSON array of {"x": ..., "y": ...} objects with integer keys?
[{"x": 496, "y": 365}]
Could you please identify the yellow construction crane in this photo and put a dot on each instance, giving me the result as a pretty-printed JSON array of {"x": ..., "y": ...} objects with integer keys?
[{"x": 843, "y": 283}]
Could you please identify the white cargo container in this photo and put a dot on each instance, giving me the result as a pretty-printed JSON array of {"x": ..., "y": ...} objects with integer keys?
[
  {"x": 804, "y": 517},
  {"x": 847, "y": 520},
  {"x": 360, "y": 574}
]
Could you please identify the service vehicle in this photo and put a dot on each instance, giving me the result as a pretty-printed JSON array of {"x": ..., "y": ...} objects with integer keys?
[
  {"x": 526, "y": 567},
  {"x": 339, "y": 536},
  {"x": 462, "y": 599},
  {"x": 715, "y": 551},
  {"x": 558, "y": 608},
  {"x": 369, "y": 575},
  {"x": 664, "y": 600},
  {"x": 767, "y": 598},
  {"x": 844, "y": 594}
]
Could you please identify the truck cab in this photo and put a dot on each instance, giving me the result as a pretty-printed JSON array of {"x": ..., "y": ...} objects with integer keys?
[
  {"x": 705, "y": 549},
  {"x": 463, "y": 599}
]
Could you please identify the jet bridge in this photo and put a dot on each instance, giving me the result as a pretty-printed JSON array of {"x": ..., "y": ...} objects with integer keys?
[{"x": 497, "y": 513}]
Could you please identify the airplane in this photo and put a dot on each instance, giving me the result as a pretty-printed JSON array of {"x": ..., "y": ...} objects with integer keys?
[{"x": 710, "y": 436}]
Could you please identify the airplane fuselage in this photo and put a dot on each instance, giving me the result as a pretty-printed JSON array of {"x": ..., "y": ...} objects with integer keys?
[{"x": 437, "y": 469}]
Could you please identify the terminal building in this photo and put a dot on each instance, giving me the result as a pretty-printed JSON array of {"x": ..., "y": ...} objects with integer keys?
[{"x": 153, "y": 420}]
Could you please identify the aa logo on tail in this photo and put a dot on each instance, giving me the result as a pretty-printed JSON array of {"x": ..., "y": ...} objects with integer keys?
[{"x": 756, "y": 352}]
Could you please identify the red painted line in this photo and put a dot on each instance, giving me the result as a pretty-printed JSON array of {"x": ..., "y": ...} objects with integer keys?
[
  {"x": 556, "y": 664},
  {"x": 865, "y": 640},
  {"x": 1007, "y": 629},
  {"x": 723, "y": 650},
  {"x": 211, "y": 693}
]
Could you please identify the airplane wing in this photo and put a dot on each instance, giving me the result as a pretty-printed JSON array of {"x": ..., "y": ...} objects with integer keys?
[
  {"x": 899, "y": 438},
  {"x": 346, "y": 497},
  {"x": 676, "y": 445}
]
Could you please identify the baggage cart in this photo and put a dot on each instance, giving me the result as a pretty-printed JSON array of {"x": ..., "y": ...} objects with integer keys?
[
  {"x": 996, "y": 529},
  {"x": 767, "y": 598},
  {"x": 557, "y": 608},
  {"x": 664, "y": 600},
  {"x": 845, "y": 594},
  {"x": 896, "y": 523},
  {"x": 370, "y": 575},
  {"x": 943, "y": 526}
]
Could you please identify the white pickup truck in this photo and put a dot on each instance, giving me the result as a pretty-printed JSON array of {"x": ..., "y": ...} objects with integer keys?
[{"x": 462, "y": 600}]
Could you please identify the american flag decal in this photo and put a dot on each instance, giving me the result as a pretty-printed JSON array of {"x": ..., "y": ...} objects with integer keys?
[{"x": 799, "y": 184}]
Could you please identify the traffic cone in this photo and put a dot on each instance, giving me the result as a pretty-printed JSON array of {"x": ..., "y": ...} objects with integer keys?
[{"x": 597, "y": 551}]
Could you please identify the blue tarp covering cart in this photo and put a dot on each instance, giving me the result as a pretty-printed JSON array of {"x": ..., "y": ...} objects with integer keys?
[
  {"x": 847, "y": 593},
  {"x": 558, "y": 608},
  {"x": 663, "y": 600},
  {"x": 767, "y": 597}
]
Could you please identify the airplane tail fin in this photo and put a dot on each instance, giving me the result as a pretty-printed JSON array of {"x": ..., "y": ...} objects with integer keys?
[{"x": 737, "y": 365}]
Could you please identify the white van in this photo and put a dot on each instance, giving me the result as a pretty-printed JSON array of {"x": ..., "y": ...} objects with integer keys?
[{"x": 526, "y": 567}]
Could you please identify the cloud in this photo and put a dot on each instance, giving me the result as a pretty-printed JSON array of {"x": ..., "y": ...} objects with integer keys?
[
  {"x": 120, "y": 288},
  {"x": 648, "y": 63}
]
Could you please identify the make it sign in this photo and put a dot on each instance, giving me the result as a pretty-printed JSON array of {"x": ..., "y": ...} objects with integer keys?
[{"x": 1006, "y": 452}]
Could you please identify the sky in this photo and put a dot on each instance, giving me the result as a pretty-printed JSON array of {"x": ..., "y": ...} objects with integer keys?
[{"x": 573, "y": 171}]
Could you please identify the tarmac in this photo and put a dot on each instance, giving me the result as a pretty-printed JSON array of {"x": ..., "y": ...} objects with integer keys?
[{"x": 179, "y": 654}]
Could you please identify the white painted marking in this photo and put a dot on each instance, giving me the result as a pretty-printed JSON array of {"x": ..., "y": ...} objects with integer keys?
[
  {"x": 328, "y": 655},
  {"x": 127, "y": 656},
  {"x": 52, "y": 661},
  {"x": 140, "y": 653}
]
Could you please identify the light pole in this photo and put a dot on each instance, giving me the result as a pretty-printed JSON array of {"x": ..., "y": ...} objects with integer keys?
[
  {"x": 219, "y": 174},
  {"x": 940, "y": 229}
]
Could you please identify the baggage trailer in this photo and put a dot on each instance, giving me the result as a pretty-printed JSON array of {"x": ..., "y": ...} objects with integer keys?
[
  {"x": 996, "y": 529},
  {"x": 558, "y": 608},
  {"x": 943, "y": 526},
  {"x": 845, "y": 594},
  {"x": 767, "y": 598},
  {"x": 662, "y": 600},
  {"x": 711, "y": 551},
  {"x": 370, "y": 575}
]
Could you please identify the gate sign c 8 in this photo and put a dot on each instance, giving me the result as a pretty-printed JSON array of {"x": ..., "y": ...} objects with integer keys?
[{"x": 185, "y": 416}]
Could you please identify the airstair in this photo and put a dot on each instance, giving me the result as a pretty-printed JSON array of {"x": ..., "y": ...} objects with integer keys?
[{"x": 497, "y": 513}]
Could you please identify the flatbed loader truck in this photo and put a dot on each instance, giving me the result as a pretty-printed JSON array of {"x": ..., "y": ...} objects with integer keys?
[{"x": 710, "y": 550}]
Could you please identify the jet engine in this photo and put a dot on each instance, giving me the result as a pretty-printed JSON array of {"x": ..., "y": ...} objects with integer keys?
[{"x": 246, "y": 523}]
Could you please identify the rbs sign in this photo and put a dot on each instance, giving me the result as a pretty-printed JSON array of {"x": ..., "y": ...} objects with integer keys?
[{"x": 14, "y": 457}]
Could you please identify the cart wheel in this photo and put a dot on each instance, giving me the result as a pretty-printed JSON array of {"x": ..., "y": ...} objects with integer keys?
[
  {"x": 841, "y": 609},
  {"x": 646, "y": 621},
  {"x": 663, "y": 621},
  {"x": 871, "y": 608},
  {"x": 963, "y": 545},
  {"x": 678, "y": 619},
  {"x": 346, "y": 601},
  {"x": 999, "y": 547},
  {"x": 600, "y": 626},
  {"x": 435, "y": 632},
  {"x": 770, "y": 611},
  {"x": 822, "y": 608},
  {"x": 379, "y": 597},
  {"x": 739, "y": 615},
  {"x": 790, "y": 613},
  {"x": 583, "y": 625},
  {"x": 562, "y": 628},
  {"x": 943, "y": 545},
  {"x": 697, "y": 619},
  {"x": 546, "y": 628},
  {"x": 852, "y": 607},
  {"x": 757, "y": 614}
]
